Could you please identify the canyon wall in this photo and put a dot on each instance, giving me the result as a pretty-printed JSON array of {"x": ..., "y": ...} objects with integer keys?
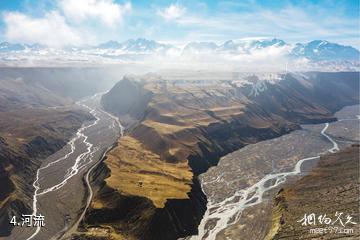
[{"x": 147, "y": 187}]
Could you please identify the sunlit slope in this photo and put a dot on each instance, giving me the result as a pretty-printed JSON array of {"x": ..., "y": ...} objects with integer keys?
[
  {"x": 137, "y": 171},
  {"x": 152, "y": 161}
]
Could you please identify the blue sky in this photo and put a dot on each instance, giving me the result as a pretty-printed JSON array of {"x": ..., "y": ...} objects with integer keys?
[{"x": 65, "y": 22}]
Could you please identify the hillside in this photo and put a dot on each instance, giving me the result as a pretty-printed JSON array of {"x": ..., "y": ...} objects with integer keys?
[
  {"x": 336, "y": 178},
  {"x": 34, "y": 123}
]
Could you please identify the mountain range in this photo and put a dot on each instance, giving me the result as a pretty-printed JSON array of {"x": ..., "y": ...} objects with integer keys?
[{"x": 317, "y": 50}]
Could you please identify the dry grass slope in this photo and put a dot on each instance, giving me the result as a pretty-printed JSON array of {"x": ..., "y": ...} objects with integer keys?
[{"x": 140, "y": 172}]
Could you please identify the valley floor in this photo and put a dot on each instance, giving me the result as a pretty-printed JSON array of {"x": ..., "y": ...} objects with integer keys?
[
  {"x": 238, "y": 206},
  {"x": 60, "y": 191}
]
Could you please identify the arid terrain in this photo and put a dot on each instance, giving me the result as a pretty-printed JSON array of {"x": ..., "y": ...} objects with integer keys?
[
  {"x": 336, "y": 195},
  {"x": 48, "y": 142},
  {"x": 56, "y": 148},
  {"x": 241, "y": 188},
  {"x": 336, "y": 191},
  {"x": 34, "y": 123},
  {"x": 176, "y": 130},
  {"x": 179, "y": 120}
]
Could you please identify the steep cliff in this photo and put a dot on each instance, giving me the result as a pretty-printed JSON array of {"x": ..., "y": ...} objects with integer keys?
[{"x": 127, "y": 98}]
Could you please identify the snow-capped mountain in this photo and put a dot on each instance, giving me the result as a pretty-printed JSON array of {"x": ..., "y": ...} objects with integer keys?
[
  {"x": 324, "y": 50},
  {"x": 316, "y": 50},
  {"x": 247, "y": 46},
  {"x": 144, "y": 45},
  {"x": 140, "y": 45},
  {"x": 322, "y": 53},
  {"x": 234, "y": 47},
  {"x": 267, "y": 43}
]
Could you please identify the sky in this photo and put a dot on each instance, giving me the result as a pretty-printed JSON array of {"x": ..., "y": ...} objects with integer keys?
[{"x": 79, "y": 22}]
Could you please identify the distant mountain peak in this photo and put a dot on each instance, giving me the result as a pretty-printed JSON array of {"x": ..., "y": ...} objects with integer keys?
[
  {"x": 316, "y": 50},
  {"x": 325, "y": 50},
  {"x": 135, "y": 45}
]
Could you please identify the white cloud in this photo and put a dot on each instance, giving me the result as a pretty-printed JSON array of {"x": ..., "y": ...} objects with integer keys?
[
  {"x": 67, "y": 24},
  {"x": 50, "y": 30},
  {"x": 173, "y": 11},
  {"x": 106, "y": 11}
]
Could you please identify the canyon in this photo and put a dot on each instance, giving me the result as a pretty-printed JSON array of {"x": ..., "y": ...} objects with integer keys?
[
  {"x": 148, "y": 187},
  {"x": 155, "y": 178}
]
